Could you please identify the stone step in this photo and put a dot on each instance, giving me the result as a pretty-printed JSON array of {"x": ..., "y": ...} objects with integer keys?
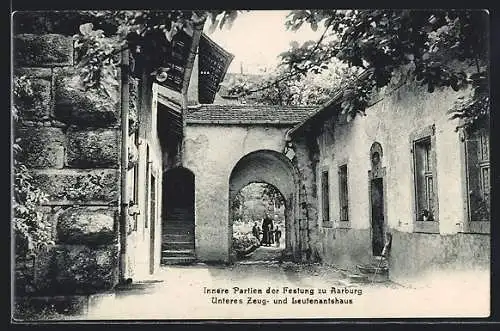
[
  {"x": 179, "y": 213},
  {"x": 178, "y": 245},
  {"x": 178, "y": 227},
  {"x": 177, "y": 252},
  {"x": 179, "y": 223},
  {"x": 177, "y": 237},
  {"x": 178, "y": 234},
  {"x": 178, "y": 260},
  {"x": 178, "y": 218}
]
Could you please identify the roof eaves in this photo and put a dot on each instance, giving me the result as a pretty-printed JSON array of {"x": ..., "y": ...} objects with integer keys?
[{"x": 241, "y": 122}]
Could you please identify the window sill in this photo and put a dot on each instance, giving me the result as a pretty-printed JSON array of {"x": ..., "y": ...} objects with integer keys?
[
  {"x": 344, "y": 225},
  {"x": 427, "y": 226},
  {"x": 479, "y": 227},
  {"x": 327, "y": 224}
]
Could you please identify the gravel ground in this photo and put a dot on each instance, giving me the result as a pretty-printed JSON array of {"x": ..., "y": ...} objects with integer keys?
[
  {"x": 263, "y": 287},
  {"x": 182, "y": 295}
]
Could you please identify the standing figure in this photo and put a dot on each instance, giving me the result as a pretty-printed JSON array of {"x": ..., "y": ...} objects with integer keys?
[
  {"x": 277, "y": 231},
  {"x": 271, "y": 232},
  {"x": 267, "y": 225},
  {"x": 256, "y": 231}
]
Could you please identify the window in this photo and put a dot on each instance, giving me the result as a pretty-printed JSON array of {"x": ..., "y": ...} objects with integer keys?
[
  {"x": 477, "y": 156},
  {"x": 325, "y": 197},
  {"x": 343, "y": 194},
  {"x": 424, "y": 170}
]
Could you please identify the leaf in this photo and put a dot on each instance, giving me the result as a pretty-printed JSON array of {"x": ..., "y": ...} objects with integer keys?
[
  {"x": 188, "y": 28},
  {"x": 86, "y": 28}
]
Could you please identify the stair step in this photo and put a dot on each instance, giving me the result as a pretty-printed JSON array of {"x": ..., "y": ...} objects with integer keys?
[
  {"x": 178, "y": 260},
  {"x": 166, "y": 238},
  {"x": 179, "y": 223},
  {"x": 178, "y": 234},
  {"x": 178, "y": 227},
  {"x": 177, "y": 245},
  {"x": 177, "y": 252}
]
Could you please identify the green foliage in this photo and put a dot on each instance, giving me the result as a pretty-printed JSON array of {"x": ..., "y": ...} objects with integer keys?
[
  {"x": 435, "y": 45},
  {"x": 133, "y": 105},
  {"x": 273, "y": 195},
  {"x": 243, "y": 241},
  {"x": 473, "y": 109},
  {"x": 253, "y": 200},
  {"x": 277, "y": 88},
  {"x": 33, "y": 230},
  {"x": 22, "y": 94},
  {"x": 31, "y": 227}
]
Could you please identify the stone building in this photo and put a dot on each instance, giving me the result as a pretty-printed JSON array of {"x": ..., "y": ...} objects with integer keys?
[
  {"x": 402, "y": 169},
  {"x": 148, "y": 177}
]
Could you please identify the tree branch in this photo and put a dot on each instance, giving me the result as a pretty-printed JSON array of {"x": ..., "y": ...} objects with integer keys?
[{"x": 279, "y": 80}]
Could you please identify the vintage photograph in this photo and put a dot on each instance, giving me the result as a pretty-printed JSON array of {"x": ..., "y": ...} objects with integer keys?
[{"x": 250, "y": 164}]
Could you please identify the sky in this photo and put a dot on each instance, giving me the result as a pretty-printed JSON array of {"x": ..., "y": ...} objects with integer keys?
[{"x": 257, "y": 38}]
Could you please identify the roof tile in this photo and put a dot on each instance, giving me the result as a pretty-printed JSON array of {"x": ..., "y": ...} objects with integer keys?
[{"x": 248, "y": 114}]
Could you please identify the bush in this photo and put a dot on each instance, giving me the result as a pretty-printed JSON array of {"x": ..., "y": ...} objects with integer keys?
[
  {"x": 32, "y": 229},
  {"x": 243, "y": 241}
]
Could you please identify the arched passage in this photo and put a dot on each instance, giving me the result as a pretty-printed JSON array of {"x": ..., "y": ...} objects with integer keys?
[
  {"x": 250, "y": 206},
  {"x": 267, "y": 166},
  {"x": 178, "y": 216}
]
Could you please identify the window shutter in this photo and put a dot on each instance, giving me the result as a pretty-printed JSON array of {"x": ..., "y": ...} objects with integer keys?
[{"x": 473, "y": 178}]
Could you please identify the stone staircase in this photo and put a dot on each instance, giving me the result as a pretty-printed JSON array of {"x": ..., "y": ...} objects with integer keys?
[{"x": 178, "y": 238}]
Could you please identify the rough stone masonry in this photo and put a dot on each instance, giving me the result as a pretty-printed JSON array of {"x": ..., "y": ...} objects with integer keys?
[{"x": 71, "y": 143}]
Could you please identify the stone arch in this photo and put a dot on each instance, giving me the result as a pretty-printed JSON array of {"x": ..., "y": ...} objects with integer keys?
[{"x": 273, "y": 168}]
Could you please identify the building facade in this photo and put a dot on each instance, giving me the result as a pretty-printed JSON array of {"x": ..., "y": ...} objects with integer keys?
[
  {"x": 149, "y": 179},
  {"x": 402, "y": 169}
]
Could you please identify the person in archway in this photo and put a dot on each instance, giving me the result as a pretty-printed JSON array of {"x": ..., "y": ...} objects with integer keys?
[
  {"x": 277, "y": 231},
  {"x": 256, "y": 232},
  {"x": 267, "y": 227}
]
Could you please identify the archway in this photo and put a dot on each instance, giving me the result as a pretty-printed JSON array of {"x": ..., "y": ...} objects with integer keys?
[
  {"x": 178, "y": 217},
  {"x": 271, "y": 167},
  {"x": 251, "y": 242}
]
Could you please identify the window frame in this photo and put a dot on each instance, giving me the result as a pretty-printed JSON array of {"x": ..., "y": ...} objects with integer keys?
[
  {"x": 469, "y": 225},
  {"x": 428, "y": 132},
  {"x": 343, "y": 223},
  {"x": 325, "y": 190}
]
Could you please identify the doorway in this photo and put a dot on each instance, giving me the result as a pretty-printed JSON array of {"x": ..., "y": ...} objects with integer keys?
[
  {"x": 377, "y": 215},
  {"x": 178, "y": 237},
  {"x": 152, "y": 222},
  {"x": 377, "y": 198}
]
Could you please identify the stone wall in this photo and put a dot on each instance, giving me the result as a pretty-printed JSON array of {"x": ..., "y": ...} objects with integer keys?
[
  {"x": 306, "y": 159},
  {"x": 71, "y": 142}
]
